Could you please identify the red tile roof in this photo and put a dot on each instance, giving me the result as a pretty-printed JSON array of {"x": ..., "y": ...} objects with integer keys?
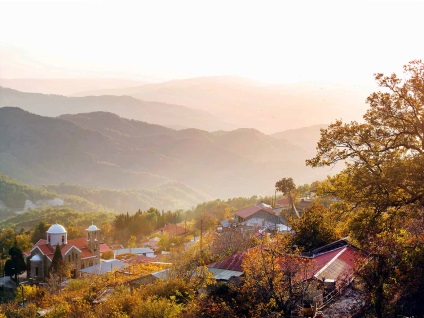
[
  {"x": 333, "y": 264},
  {"x": 232, "y": 263},
  {"x": 104, "y": 248},
  {"x": 46, "y": 249},
  {"x": 40, "y": 242},
  {"x": 65, "y": 248},
  {"x": 173, "y": 229},
  {"x": 249, "y": 211},
  {"x": 330, "y": 265},
  {"x": 80, "y": 242},
  {"x": 85, "y": 253}
]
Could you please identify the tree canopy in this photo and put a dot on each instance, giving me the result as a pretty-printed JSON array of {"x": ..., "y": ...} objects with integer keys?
[
  {"x": 381, "y": 191},
  {"x": 15, "y": 265},
  {"x": 384, "y": 155}
]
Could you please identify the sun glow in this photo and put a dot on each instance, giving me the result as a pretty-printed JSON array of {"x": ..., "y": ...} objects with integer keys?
[{"x": 272, "y": 41}]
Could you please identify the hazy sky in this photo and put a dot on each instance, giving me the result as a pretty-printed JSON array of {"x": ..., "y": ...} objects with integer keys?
[{"x": 272, "y": 41}]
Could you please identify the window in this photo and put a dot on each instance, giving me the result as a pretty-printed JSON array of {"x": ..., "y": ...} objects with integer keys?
[
  {"x": 48, "y": 239},
  {"x": 69, "y": 258},
  {"x": 63, "y": 239},
  {"x": 36, "y": 271}
]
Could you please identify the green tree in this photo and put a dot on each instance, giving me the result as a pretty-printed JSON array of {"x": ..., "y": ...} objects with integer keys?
[
  {"x": 385, "y": 154},
  {"x": 314, "y": 229},
  {"x": 381, "y": 189},
  {"x": 39, "y": 232},
  {"x": 7, "y": 241},
  {"x": 15, "y": 266},
  {"x": 59, "y": 270},
  {"x": 288, "y": 188}
]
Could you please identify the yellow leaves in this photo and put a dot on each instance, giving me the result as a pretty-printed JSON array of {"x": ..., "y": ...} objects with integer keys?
[{"x": 27, "y": 291}]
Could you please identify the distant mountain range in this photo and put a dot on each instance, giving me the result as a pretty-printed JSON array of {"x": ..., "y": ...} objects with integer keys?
[
  {"x": 207, "y": 103},
  {"x": 101, "y": 149},
  {"x": 246, "y": 103},
  {"x": 169, "y": 115}
]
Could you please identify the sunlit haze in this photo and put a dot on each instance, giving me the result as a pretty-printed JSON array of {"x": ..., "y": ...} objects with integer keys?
[{"x": 270, "y": 41}]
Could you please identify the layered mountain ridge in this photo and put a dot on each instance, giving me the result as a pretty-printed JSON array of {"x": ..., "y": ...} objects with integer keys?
[{"x": 101, "y": 149}]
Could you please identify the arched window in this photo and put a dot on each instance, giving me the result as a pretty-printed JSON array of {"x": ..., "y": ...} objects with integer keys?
[
  {"x": 36, "y": 271},
  {"x": 48, "y": 239},
  {"x": 63, "y": 239}
]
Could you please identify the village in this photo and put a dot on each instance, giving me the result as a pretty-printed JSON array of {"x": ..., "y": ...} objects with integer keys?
[{"x": 323, "y": 279}]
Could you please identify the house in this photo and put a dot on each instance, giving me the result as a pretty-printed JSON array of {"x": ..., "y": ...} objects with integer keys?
[
  {"x": 334, "y": 263},
  {"x": 153, "y": 243},
  {"x": 107, "y": 266},
  {"x": 260, "y": 215},
  {"x": 228, "y": 268},
  {"x": 172, "y": 230},
  {"x": 79, "y": 253}
]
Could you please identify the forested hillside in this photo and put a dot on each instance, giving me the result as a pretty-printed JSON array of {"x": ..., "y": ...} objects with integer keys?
[
  {"x": 16, "y": 197},
  {"x": 127, "y": 154}
]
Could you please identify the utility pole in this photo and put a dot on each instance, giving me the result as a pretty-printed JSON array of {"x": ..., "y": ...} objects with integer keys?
[
  {"x": 23, "y": 299},
  {"x": 201, "y": 234},
  {"x": 275, "y": 198}
]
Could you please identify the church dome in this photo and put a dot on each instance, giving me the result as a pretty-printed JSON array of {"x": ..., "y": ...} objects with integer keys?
[
  {"x": 56, "y": 229},
  {"x": 92, "y": 227}
]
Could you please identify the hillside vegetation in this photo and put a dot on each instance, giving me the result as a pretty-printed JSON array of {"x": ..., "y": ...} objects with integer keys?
[
  {"x": 103, "y": 150},
  {"x": 16, "y": 197}
]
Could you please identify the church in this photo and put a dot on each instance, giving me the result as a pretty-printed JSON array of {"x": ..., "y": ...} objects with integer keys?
[{"x": 79, "y": 253}]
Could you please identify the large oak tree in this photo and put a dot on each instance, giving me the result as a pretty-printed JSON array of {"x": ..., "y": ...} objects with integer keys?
[{"x": 381, "y": 188}]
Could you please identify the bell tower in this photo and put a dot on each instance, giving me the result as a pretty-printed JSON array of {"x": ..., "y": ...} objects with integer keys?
[{"x": 93, "y": 240}]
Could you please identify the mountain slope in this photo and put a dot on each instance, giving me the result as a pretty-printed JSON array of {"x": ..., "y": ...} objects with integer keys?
[
  {"x": 169, "y": 115},
  {"x": 244, "y": 103},
  {"x": 104, "y": 150},
  {"x": 306, "y": 137}
]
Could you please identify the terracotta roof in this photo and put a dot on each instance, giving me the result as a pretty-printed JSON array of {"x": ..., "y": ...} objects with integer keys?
[
  {"x": 173, "y": 229},
  {"x": 104, "y": 248},
  {"x": 342, "y": 263},
  {"x": 249, "y": 211},
  {"x": 40, "y": 242},
  {"x": 232, "y": 263},
  {"x": 66, "y": 247},
  {"x": 46, "y": 249},
  {"x": 330, "y": 265},
  {"x": 85, "y": 253},
  {"x": 80, "y": 242}
]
